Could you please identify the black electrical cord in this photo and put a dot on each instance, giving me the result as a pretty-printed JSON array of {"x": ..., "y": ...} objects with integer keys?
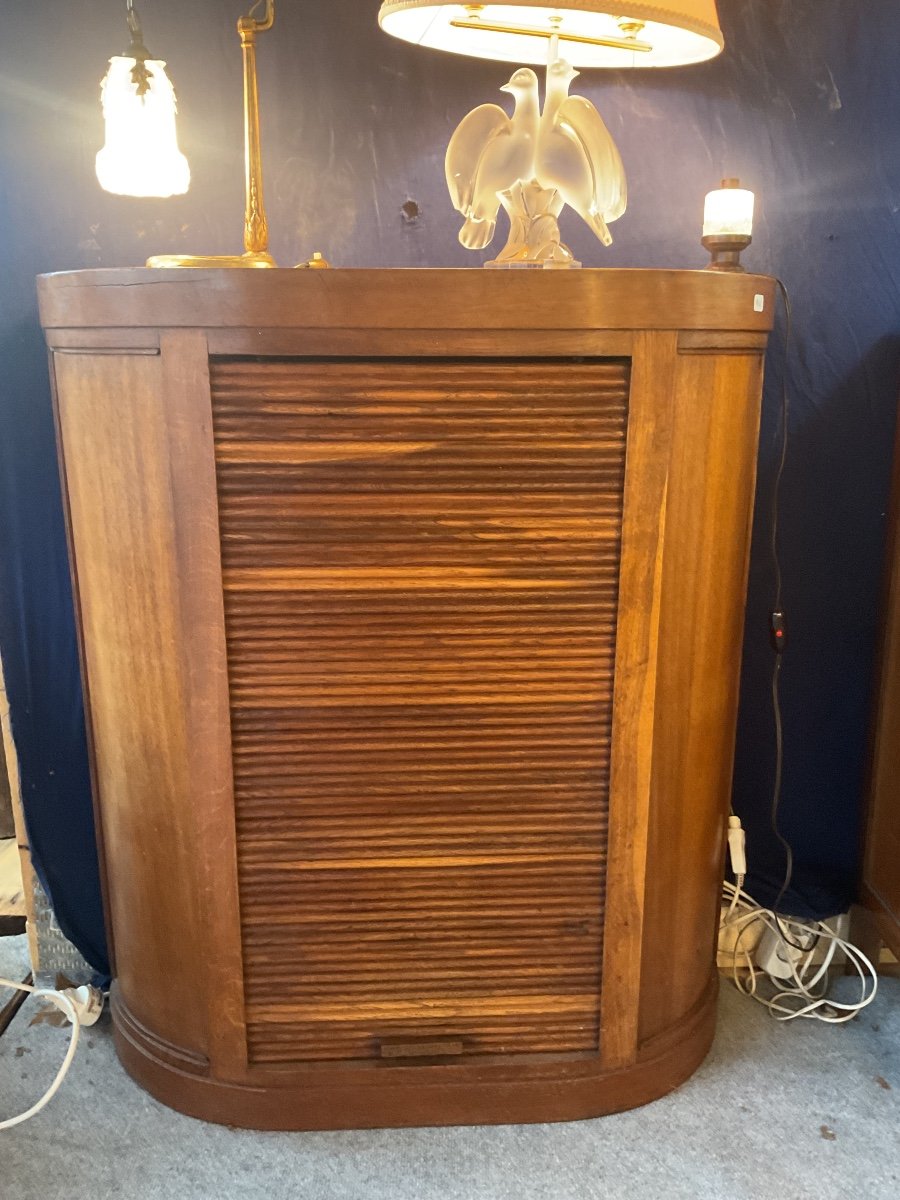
[
  {"x": 785, "y": 412},
  {"x": 777, "y": 615}
]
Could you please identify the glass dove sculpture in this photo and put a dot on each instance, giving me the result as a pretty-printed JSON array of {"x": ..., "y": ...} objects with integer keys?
[{"x": 533, "y": 164}]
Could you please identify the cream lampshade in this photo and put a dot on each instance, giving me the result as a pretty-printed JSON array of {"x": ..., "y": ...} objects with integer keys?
[{"x": 592, "y": 33}]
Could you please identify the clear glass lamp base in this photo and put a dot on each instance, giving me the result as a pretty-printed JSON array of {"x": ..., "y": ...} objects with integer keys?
[
  {"x": 497, "y": 265},
  {"x": 534, "y": 237}
]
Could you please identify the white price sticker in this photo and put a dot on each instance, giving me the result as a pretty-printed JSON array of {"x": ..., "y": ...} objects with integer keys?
[{"x": 759, "y": 303}]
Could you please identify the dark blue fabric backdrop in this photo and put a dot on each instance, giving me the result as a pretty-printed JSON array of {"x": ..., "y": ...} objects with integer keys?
[{"x": 804, "y": 106}]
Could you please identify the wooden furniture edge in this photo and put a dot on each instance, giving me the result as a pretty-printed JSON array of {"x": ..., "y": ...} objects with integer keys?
[
  {"x": 596, "y": 298},
  {"x": 882, "y": 920},
  {"x": 82, "y": 664},
  {"x": 11, "y": 760},
  {"x": 634, "y": 704},
  {"x": 470, "y": 1094},
  {"x": 192, "y": 467},
  {"x": 874, "y": 925}
]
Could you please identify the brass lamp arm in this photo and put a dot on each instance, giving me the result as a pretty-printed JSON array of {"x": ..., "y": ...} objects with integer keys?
[
  {"x": 249, "y": 24},
  {"x": 578, "y": 38}
]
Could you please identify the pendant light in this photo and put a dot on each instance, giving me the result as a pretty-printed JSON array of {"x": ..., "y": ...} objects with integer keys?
[{"x": 140, "y": 156}]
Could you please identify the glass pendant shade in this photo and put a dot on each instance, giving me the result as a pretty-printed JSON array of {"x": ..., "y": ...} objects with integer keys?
[
  {"x": 729, "y": 211},
  {"x": 592, "y": 33},
  {"x": 141, "y": 155}
]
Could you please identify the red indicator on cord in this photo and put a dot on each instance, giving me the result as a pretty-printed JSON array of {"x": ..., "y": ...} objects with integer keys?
[{"x": 778, "y": 631}]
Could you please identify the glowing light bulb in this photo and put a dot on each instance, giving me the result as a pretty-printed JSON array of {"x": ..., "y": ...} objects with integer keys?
[
  {"x": 141, "y": 155},
  {"x": 729, "y": 211}
]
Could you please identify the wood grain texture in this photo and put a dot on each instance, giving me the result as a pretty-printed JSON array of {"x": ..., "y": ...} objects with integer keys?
[
  {"x": 653, "y": 370},
  {"x": 715, "y": 429},
  {"x": 439, "y": 301},
  {"x": 21, "y": 875},
  {"x": 112, "y": 419},
  {"x": 486, "y": 1091},
  {"x": 12, "y": 893},
  {"x": 186, "y": 388},
  {"x": 411, "y": 644},
  {"x": 415, "y": 757}
]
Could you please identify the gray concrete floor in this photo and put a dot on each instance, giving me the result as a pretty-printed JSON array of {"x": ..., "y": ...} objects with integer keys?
[
  {"x": 13, "y": 964},
  {"x": 785, "y": 1111}
]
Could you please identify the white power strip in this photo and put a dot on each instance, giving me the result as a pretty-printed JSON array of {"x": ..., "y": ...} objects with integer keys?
[
  {"x": 803, "y": 991},
  {"x": 779, "y": 957},
  {"x": 763, "y": 945},
  {"x": 782, "y": 962}
]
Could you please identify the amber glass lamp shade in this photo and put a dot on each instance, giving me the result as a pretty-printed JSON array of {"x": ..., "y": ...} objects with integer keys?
[{"x": 592, "y": 33}]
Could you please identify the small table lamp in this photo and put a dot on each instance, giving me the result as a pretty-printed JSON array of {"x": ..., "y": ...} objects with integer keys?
[
  {"x": 728, "y": 225},
  {"x": 536, "y": 162}
]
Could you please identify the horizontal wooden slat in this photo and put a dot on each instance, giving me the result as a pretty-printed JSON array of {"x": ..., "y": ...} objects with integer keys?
[{"x": 421, "y": 578}]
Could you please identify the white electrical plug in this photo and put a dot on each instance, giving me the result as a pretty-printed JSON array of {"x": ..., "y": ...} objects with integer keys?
[
  {"x": 87, "y": 1003},
  {"x": 737, "y": 846},
  {"x": 80, "y": 1006},
  {"x": 776, "y": 956}
]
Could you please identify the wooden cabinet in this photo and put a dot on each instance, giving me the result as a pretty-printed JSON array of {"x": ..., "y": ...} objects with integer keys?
[{"x": 411, "y": 607}]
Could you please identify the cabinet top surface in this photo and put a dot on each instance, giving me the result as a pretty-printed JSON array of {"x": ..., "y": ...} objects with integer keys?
[{"x": 466, "y": 298}]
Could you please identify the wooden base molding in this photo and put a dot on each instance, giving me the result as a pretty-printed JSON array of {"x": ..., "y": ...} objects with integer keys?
[{"x": 387, "y": 1097}]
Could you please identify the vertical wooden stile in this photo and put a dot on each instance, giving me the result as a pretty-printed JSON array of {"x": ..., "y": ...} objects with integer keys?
[
  {"x": 643, "y": 540},
  {"x": 185, "y": 380}
]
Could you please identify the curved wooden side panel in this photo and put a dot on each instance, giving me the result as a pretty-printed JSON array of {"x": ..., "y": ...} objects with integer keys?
[
  {"x": 712, "y": 480},
  {"x": 148, "y": 1045},
  {"x": 137, "y": 459},
  {"x": 112, "y": 418},
  {"x": 880, "y": 866}
]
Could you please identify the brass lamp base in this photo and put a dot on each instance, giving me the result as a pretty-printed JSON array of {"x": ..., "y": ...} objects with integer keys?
[
  {"x": 318, "y": 262},
  {"x": 211, "y": 260},
  {"x": 256, "y": 227},
  {"x": 726, "y": 252}
]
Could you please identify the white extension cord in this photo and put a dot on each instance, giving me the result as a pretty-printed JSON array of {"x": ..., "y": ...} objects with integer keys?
[
  {"x": 81, "y": 1006},
  {"x": 802, "y": 985}
]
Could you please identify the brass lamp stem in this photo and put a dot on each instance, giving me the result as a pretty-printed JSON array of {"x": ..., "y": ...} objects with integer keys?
[{"x": 256, "y": 226}]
